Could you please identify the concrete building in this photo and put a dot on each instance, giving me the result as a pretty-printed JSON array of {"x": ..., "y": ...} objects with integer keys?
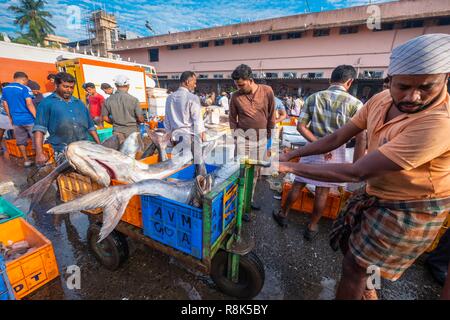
[
  {"x": 292, "y": 51},
  {"x": 55, "y": 41}
]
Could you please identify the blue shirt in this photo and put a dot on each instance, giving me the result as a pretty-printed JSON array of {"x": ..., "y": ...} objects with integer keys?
[
  {"x": 15, "y": 94},
  {"x": 279, "y": 104},
  {"x": 66, "y": 122}
]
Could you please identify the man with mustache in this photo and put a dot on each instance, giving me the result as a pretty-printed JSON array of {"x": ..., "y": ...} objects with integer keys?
[
  {"x": 387, "y": 226},
  {"x": 64, "y": 117},
  {"x": 252, "y": 119}
]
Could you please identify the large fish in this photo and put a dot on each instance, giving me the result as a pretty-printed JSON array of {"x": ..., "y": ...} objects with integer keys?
[
  {"x": 114, "y": 200},
  {"x": 130, "y": 146},
  {"x": 103, "y": 164}
]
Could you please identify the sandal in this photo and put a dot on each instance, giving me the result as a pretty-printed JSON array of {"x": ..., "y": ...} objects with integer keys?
[
  {"x": 282, "y": 221},
  {"x": 309, "y": 234}
]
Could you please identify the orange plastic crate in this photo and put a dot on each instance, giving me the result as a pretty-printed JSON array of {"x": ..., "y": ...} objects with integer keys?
[
  {"x": 14, "y": 150},
  {"x": 74, "y": 185},
  {"x": 32, "y": 270},
  {"x": 48, "y": 150},
  {"x": 305, "y": 202}
]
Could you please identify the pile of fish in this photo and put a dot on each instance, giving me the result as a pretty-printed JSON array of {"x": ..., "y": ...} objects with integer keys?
[
  {"x": 14, "y": 250},
  {"x": 114, "y": 200},
  {"x": 102, "y": 163}
]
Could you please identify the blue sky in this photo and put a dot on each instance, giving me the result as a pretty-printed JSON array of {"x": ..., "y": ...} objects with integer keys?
[{"x": 170, "y": 15}]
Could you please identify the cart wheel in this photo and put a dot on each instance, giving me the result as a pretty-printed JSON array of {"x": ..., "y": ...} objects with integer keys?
[
  {"x": 112, "y": 251},
  {"x": 251, "y": 275}
]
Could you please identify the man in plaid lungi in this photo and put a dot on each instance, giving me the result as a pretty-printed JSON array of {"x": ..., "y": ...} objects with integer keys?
[
  {"x": 407, "y": 195},
  {"x": 323, "y": 113}
]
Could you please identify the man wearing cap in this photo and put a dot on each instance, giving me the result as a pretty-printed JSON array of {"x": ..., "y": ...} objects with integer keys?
[
  {"x": 122, "y": 110},
  {"x": 224, "y": 102},
  {"x": 95, "y": 103},
  {"x": 384, "y": 228}
]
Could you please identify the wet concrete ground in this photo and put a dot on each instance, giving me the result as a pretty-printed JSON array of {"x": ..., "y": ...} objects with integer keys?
[{"x": 294, "y": 267}]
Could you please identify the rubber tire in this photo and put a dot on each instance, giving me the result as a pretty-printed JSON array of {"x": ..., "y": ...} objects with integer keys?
[
  {"x": 251, "y": 275},
  {"x": 115, "y": 245}
]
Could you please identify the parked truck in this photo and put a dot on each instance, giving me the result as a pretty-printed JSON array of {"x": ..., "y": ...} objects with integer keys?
[{"x": 38, "y": 63}]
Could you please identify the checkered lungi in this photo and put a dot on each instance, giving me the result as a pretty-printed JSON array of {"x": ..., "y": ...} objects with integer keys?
[
  {"x": 390, "y": 234},
  {"x": 339, "y": 156}
]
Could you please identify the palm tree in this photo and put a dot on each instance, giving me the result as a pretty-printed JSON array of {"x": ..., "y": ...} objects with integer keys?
[{"x": 31, "y": 14}]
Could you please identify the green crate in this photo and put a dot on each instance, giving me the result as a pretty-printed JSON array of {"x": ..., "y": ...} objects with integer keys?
[
  {"x": 10, "y": 210},
  {"x": 103, "y": 134}
]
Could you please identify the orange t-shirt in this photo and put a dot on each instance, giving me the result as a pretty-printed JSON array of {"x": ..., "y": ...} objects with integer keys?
[{"x": 419, "y": 143}]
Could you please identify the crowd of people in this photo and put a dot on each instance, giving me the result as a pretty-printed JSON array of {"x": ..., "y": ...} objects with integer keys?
[
  {"x": 402, "y": 152},
  {"x": 59, "y": 118}
]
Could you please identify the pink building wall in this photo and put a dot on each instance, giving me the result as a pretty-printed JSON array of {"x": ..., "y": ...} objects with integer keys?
[{"x": 366, "y": 49}]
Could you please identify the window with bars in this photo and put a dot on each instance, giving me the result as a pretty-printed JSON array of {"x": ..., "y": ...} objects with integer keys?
[
  {"x": 254, "y": 39},
  {"x": 238, "y": 41},
  {"x": 348, "y": 30},
  {"x": 412, "y": 24},
  {"x": 153, "y": 55},
  {"x": 219, "y": 43},
  {"x": 444, "y": 21},
  {"x": 275, "y": 37},
  {"x": 290, "y": 75},
  {"x": 204, "y": 44},
  {"x": 294, "y": 35},
  {"x": 321, "y": 32},
  {"x": 385, "y": 27},
  {"x": 271, "y": 75},
  {"x": 174, "y": 47},
  {"x": 187, "y": 46}
]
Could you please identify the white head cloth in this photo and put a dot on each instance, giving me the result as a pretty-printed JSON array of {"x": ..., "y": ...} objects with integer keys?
[{"x": 427, "y": 54}]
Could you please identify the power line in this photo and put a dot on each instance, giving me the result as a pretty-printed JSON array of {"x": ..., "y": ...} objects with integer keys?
[{"x": 307, "y": 5}]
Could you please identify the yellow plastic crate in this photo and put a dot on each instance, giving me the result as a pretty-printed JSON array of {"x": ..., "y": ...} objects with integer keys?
[{"x": 31, "y": 270}]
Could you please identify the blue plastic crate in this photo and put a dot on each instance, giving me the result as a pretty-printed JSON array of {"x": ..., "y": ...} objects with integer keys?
[
  {"x": 188, "y": 173},
  {"x": 181, "y": 226},
  {"x": 5, "y": 288},
  {"x": 10, "y": 210},
  {"x": 173, "y": 223}
]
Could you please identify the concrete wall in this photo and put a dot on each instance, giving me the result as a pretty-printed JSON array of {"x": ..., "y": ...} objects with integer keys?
[{"x": 366, "y": 50}]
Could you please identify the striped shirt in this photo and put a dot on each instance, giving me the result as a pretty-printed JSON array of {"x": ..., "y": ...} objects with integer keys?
[{"x": 327, "y": 111}]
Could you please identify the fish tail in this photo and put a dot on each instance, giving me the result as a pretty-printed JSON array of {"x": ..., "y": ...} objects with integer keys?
[
  {"x": 37, "y": 190},
  {"x": 113, "y": 201}
]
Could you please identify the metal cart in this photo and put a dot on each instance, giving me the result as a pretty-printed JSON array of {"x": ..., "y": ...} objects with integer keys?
[{"x": 236, "y": 270}]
